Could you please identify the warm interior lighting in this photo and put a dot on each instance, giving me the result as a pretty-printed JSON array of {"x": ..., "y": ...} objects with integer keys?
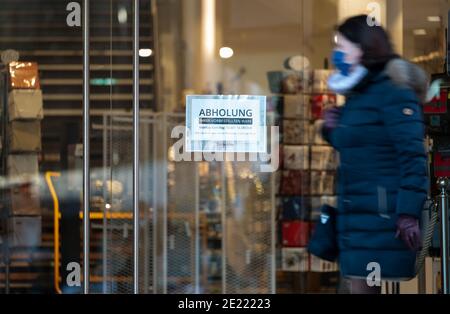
[
  {"x": 419, "y": 32},
  {"x": 145, "y": 53},
  {"x": 226, "y": 52},
  {"x": 122, "y": 15},
  {"x": 209, "y": 26},
  {"x": 434, "y": 18}
]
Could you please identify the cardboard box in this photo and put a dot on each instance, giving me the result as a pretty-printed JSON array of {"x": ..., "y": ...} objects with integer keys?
[
  {"x": 24, "y": 136},
  {"x": 323, "y": 182},
  {"x": 25, "y": 231},
  {"x": 25, "y": 200},
  {"x": 24, "y": 75},
  {"x": 296, "y": 106},
  {"x": 296, "y": 132},
  {"x": 294, "y": 259},
  {"x": 294, "y": 183},
  {"x": 320, "y": 80},
  {"x": 25, "y": 104},
  {"x": 23, "y": 167},
  {"x": 296, "y": 157},
  {"x": 322, "y": 266},
  {"x": 323, "y": 158}
]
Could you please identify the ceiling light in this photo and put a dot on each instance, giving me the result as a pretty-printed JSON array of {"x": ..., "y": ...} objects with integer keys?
[
  {"x": 122, "y": 15},
  {"x": 419, "y": 32},
  {"x": 434, "y": 18},
  {"x": 226, "y": 52},
  {"x": 145, "y": 53}
]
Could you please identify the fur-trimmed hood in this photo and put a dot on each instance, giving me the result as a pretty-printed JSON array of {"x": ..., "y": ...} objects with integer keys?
[{"x": 407, "y": 74}]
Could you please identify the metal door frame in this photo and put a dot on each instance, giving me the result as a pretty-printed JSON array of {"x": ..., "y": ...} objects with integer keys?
[
  {"x": 86, "y": 148},
  {"x": 160, "y": 218}
]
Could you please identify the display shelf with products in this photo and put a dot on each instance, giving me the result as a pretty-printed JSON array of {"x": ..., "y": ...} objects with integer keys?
[
  {"x": 307, "y": 174},
  {"x": 22, "y": 112}
]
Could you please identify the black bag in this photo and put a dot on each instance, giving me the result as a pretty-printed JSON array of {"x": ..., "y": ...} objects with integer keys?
[{"x": 323, "y": 243}]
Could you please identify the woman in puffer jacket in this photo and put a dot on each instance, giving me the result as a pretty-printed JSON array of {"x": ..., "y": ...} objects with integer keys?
[{"x": 382, "y": 176}]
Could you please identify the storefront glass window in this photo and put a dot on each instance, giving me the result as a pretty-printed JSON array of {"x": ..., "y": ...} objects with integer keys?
[{"x": 205, "y": 226}]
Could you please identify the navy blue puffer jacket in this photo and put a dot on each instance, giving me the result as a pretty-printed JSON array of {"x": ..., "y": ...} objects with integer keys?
[{"x": 382, "y": 174}]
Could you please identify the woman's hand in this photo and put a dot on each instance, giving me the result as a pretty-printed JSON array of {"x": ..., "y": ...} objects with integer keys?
[
  {"x": 409, "y": 231},
  {"x": 331, "y": 118}
]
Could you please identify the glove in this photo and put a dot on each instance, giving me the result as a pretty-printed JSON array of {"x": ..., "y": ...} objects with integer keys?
[
  {"x": 331, "y": 118},
  {"x": 409, "y": 231}
]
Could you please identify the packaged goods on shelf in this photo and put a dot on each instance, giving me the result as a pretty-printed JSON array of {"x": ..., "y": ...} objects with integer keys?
[
  {"x": 296, "y": 233},
  {"x": 323, "y": 158},
  {"x": 25, "y": 104},
  {"x": 24, "y": 75},
  {"x": 295, "y": 208},
  {"x": 320, "y": 81},
  {"x": 23, "y": 167},
  {"x": 25, "y": 231},
  {"x": 318, "y": 201},
  {"x": 296, "y": 157},
  {"x": 329, "y": 180},
  {"x": 329, "y": 199},
  {"x": 294, "y": 182},
  {"x": 322, "y": 266},
  {"x": 441, "y": 165},
  {"x": 321, "y": 102},
  {"x": 25, "y": 200},
  {"x": 289, "y": 82},
  {"x": 307, "y": 81},
  {"x": 296, "y": 106},
  {"x": 24, "y": 136},
  {"x": 322, "y": 182},
  {"x": 316, "y": 204},
  {"x": 294, "y": 259},
  {"x": 316, "y": 133},
  {"x": 296, "y": 132}
]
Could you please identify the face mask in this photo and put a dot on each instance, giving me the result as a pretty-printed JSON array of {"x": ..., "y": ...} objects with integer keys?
[{"x": 338, "y": 59}]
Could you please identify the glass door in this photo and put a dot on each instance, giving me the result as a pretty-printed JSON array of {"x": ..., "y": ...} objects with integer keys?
[
  {"x": 43, "y": 45},
  {"x": 122, "y": 78}
]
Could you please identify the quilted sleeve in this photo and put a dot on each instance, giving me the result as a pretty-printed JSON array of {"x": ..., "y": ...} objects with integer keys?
[{"x": 402, "y": 116}]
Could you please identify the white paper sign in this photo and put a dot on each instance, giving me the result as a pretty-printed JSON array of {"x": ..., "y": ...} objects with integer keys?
[{"x": 226, "y": 124}]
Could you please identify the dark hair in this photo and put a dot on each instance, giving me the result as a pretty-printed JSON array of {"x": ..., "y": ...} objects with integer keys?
[{"x": 373, "y": 40}]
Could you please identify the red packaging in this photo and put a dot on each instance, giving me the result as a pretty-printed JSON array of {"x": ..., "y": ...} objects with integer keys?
[
  {"x": 296, "y": 233},
  {"x": 24, "y": 75},
  {"x": 319, "y": 103},
  {"x": 441, "y": 165},
  {"x": 437, "y": 105},
  {"x": 295, "y": 183}
]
